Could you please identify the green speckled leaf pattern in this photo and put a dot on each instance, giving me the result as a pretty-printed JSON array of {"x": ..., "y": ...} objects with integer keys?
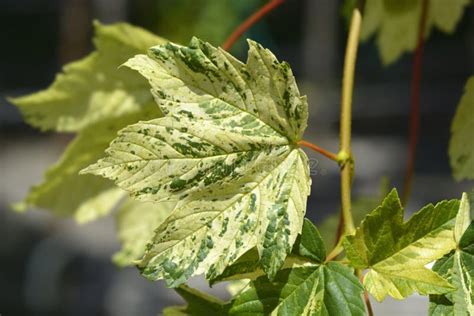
[
  {"x": 185, "y": 77},
  {"x": 458, "y": 268},
  {"x": 396, "y": 252},
  {"x": 461, "y": 145},
  {"x": 92, "y": 89},
  {"x": 225, "y": 150},
  {"x": 330, "y": 289},
  {"x": 395, "y": 23}
]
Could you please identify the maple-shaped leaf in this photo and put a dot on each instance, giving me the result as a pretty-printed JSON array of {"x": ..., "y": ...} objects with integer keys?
[
  {"x": 64, "y": 192},
  {"x": 96, "y": 99},
  {"x": 93, "y": 89},
  {"x": 461, "y": 145},
  {"x": 226, "y": 149},
  {"x": 136, "y": 223},
  {"x": 396, "y": 252},
  {"x": 458, "y": 268},
  {"x": 395, "y": 23}
]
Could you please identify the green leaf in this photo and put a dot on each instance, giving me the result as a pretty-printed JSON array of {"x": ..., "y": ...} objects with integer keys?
[
  {"x": 93, "y": 89},
  {"x": 309, "y": 248},
  {"x": 249, "y": 267},
  {"x": 330, "y": 289},
  {"x": 175, "y": 311},
  {"x": 396, "y": 252},
  {"x": 199, "y": 303},
  {"x": 201, "y": 18},
  {"x": 136, "y": 222},
  {"x": 395, "y": 23},
  {"x": 458, "y": 268},
  {"x": 310, "y": 243},
  {"x": 226, "y": 150},
  {"x": 461, "y": 145}
]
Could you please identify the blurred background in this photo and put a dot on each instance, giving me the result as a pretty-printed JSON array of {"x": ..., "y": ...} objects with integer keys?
[{"x": 51, "y": 266}]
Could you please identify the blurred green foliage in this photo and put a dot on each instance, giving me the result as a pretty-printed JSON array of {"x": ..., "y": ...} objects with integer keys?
[{"x": 210, "y": 20}]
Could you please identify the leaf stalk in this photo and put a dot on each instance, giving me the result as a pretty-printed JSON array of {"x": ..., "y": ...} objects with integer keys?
[
  {"x": 318, "y": 149},
  {"x": 415, "y": 103},
  {"x": 249, "y": 22}
]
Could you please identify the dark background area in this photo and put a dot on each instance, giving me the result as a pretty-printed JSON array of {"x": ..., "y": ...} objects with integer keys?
[{"x": 51, "y": 266}]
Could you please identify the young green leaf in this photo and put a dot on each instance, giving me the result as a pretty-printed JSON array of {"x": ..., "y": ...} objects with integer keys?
[
  {"x": 226, "y": 149},
  {"x": 199, "y": 303},
  {"x": 396, "y": 23},
  {"x": 461, "y": 145},
  {"x": 458, "y": 268},
  {"x": 136, "y": 222},
  {"x": 93, "y": 89},
  {"x": 396, "y": 252},
  {"x": 330, "y": 289},
  {"x": 310, "y": 243},
  {"x": 64, "y": 192}
]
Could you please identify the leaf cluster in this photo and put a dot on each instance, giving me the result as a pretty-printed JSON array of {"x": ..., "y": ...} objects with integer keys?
[{"x": 209, "y": 177}]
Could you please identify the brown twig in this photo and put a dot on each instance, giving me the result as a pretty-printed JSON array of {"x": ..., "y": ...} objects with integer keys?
[
  {"x": 415, "y": 103},
  {"x": 318, "y": 149},
  {"x": 254, "y": 18}
]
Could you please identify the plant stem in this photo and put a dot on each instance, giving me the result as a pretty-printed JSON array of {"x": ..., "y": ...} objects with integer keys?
[
  {"x": 370, "y": 311},
  {"x": 335, "y": 252},
  {"x": 415, "y": 103},
  {"x": 318, "y": 149},
  {"x": 345, "y": 152},
  {"x": 250, "y": 21}
]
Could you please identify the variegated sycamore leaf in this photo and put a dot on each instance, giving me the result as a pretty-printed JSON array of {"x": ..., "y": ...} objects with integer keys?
[
  {"x": 64, "y": 192},
  {"x": 93, "y": 89},
  {"x": 395, "y": 23},
  {"x": 396, "y": 252},
  {"x": 136, "y": 223},
  {"x": 461, "y": 145},
  {"x": 226, "y": 149},
  {"x": 458, "y": 268}
]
